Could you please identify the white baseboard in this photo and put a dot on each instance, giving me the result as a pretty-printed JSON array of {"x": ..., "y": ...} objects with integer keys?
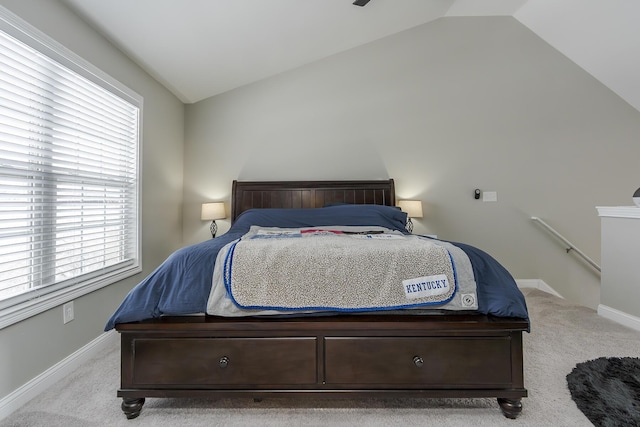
[
  {"x": 618, "y": 316},
  {"x": 537, "y": 284},
  {"x": 60, "y": 370}
]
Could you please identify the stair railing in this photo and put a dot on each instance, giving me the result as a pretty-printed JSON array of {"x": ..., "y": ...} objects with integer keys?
[{"x": 570, "y": 246}]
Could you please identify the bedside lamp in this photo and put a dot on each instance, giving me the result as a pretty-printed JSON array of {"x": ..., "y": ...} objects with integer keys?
[
  {"x": 413, "y": 209},
  {"x": 213, "y": 211}
]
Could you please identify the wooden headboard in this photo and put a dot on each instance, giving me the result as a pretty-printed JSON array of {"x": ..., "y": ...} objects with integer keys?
[{"x": 308, "y": 194}]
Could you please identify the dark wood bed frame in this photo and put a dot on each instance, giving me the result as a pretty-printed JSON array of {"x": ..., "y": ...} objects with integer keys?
[{"x": 351, "y": 356}]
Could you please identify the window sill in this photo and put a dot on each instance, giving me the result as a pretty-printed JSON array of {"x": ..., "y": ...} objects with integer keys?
[{"x": 41, "y": 303}]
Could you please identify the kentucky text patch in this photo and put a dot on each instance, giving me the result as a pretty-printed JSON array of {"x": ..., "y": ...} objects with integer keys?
[{"x": 427, "y": 286}]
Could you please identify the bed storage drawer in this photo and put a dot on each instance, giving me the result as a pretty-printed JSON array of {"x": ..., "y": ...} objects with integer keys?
[
  {"x": 223, "y": 361},
  {"x": 438, "y": 362}
]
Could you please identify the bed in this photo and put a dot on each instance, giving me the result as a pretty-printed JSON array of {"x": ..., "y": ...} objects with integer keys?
[{"x": 170, "y": 347}]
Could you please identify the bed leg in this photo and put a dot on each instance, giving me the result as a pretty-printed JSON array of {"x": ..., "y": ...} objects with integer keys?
[
  {"x": 511, "y": 408},
  {"x": 132, "y": 406}
]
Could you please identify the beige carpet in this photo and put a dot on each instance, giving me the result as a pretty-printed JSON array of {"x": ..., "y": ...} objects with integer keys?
[{"x": 562, "y": 335}]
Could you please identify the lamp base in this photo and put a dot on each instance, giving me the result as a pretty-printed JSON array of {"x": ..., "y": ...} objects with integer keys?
[
  {"x": 213, "y": 228},
  {"x": 409, "y": 225}
]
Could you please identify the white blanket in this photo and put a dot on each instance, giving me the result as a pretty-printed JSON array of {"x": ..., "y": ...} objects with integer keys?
[{"x": 338, "y": 269}]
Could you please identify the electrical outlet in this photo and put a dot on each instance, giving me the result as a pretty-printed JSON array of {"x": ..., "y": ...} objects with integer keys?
[{"x": 67, "y": 312}]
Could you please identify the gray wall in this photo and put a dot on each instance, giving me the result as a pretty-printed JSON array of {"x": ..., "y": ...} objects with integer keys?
[
  {"x": 34, "y": 345},
  {"x": 443, "y": 108}
]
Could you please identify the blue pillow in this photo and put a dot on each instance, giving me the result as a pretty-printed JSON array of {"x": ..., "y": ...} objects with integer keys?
[{"x": 343, "y": 214}]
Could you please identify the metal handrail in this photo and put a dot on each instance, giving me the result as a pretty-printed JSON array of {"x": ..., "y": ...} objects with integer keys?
[{"x": 570, "y": 245}]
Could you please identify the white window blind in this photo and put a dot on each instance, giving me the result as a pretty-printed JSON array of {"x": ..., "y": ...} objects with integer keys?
[{"x": 68, "y": 176}]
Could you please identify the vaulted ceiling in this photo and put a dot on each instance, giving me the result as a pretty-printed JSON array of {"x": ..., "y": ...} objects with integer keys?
[{"x": 200, "y": 48}]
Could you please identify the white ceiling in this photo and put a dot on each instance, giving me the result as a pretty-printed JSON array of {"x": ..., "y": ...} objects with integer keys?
[{"x": 200, "y": 48}]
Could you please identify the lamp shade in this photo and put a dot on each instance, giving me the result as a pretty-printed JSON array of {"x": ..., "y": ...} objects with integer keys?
[
  {"x": 413, "y": 208},
  {"x": 212, "y": 211}
]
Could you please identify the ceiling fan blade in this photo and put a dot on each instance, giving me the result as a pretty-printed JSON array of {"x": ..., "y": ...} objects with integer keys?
[{"x": 361, "y": 2}]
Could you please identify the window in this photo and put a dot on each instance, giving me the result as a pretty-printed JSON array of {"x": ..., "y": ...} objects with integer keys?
[{"x": 69, "y": 138}]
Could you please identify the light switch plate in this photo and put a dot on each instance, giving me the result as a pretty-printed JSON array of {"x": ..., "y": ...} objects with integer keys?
[{"x": 489, "y": 196}]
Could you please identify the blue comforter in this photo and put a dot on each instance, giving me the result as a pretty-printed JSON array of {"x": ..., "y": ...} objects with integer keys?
[{"x": 182, "y": 283}]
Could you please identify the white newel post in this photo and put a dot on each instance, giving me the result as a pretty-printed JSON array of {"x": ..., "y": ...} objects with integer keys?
[{"x": 620, "y": 280}]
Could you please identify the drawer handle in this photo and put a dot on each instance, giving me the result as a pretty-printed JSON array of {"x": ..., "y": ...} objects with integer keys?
[
  {"x": 418, "y": 361},
  {"x": 223, "y": 362}
]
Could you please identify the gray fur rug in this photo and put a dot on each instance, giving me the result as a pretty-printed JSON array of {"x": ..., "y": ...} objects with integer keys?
[{"x": 607, "y": 390}]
